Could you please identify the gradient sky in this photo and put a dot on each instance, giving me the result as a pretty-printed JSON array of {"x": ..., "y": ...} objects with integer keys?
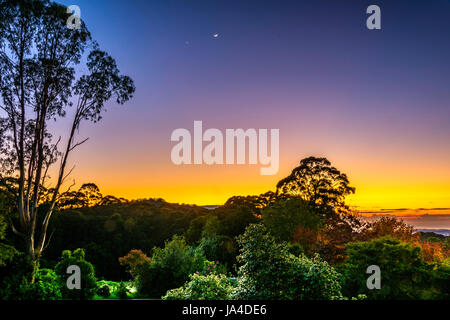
[{"x": 375, "y": 103}]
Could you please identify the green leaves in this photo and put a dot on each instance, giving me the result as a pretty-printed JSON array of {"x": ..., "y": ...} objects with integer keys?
[
  {"x": 404, "y": 273},
  {"x": 170, "y": 267},
  {"x": 200, "y": 287},
  {"x": 284, "y": 217},
  {"x": 269, "y": 271},
  {"x": 88, "y": 280}
]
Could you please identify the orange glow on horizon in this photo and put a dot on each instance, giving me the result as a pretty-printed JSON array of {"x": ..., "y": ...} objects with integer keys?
[{"x": 213, "y": 185}]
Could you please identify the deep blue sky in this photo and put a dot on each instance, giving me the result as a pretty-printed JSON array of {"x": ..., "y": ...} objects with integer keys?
[{"x": 377, "y": 103}]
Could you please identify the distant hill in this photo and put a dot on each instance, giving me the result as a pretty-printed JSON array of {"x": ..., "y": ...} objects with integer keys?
[{"x": 434, "y": 232}]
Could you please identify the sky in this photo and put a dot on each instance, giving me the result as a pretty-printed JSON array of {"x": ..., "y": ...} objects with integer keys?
[{"x": 376, "y": 103}]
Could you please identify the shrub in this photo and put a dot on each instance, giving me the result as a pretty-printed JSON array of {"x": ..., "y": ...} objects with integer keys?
[
  {"x": 122, "y": 291},
  {"x": 45, "y": 287},
  {"x": 200, "y": 287},
  {"x": 14, "y": 276},
  {"x": 213, "y": 267},
  {"x": 441, "y": 279},
  {"x": 295, "y": 249},
  {"x": 404, "y": 273},
  {"x": 7, "y": 252},
  {"x": 312, "y": 279},
  {"x": 88, "y": 280},
  {"x": 135, "y": 261},
  {"x": 221, "y": 249},
  {"x": 104, "y": 291},
  {"x": 269, "y": 271},
  {"x": 170, "y": 267}
]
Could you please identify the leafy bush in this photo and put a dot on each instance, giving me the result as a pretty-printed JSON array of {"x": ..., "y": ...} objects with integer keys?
[
  {"x": 213, "y": 267},
  {"x": 200, "y": 287},
  {"x": 45, "y": 287},
  {"x": 136, "y": 261},
  {"x": 295, "y": 249},
  {"x": 269, "y": 271},
  {"x": 312, "y": 279},
  {"x": 221, "y": 249},
  {"x": 170, "y": 267},
  {"x": 441, "y": 279},
  {"x": 15, "y": 283},
  {"x": 113, "y": 289},
  {"x": 104, "y": 291},
  {"x": 404, "y": 273},
  {"x": 14, "y": 277},
  {"x": 88, "y": 280},
  {"x": 122, "y": 291},
  {"x": 7, "y": 252}
]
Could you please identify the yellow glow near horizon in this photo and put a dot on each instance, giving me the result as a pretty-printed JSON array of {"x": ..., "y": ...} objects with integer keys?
[
  {"x": 366, "y": 197},
  {"x": 379, "y": 183}
]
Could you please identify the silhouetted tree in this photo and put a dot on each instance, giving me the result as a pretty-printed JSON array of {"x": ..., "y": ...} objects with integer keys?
[
  {"x": 316, "y": 181},
  {"x": 38, "y": 56},
  {"x": 254, "y": 203}
]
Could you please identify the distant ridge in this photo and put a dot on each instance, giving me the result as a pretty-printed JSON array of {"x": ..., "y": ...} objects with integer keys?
[{"x": 444, "y": 232}]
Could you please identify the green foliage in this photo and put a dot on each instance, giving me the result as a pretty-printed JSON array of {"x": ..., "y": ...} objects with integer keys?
[
  {"x": 105, "y": 237},
  {"x": 193, "y": 234},
  {"x": 313, "y": 279},
  {"x": 88, "y": 280},
  {"x": 104, "y": 291},
  {"x": 295, "y": 249},
  {"x": 212, "y": 227},
  {"x": 219, "y": 248},
  {"x": 15, "y": 276},
  {"x": 113, "y": 290},
  {"x": 7, "y": 252},
  {"x": 284, "y": 217},
  {"x": 269, "y": 271},
  {"x": 404, "y": 273},
  {"x": 440, "y": 280},
  {"x": 213, "y": 267},
  {"x": 15, "y": 283},
  {"x": 234, "y": 219},
  {"x": 45, "y": 287},
  {"x": 200, "y": 287},
  {"x": 170, "y": 267},
  {"x": 122, "y": 291}
]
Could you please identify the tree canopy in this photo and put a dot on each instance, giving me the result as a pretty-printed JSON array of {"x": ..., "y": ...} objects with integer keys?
[{"x": 317, "y": 182}]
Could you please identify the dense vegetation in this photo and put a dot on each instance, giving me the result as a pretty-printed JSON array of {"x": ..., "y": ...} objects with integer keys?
[
  {"x": 277, "y": 245},
  {"x": 300, "y": 242}
]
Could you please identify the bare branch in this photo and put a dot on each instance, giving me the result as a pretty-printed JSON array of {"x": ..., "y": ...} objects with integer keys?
[{"x": 78, "y": 144}]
